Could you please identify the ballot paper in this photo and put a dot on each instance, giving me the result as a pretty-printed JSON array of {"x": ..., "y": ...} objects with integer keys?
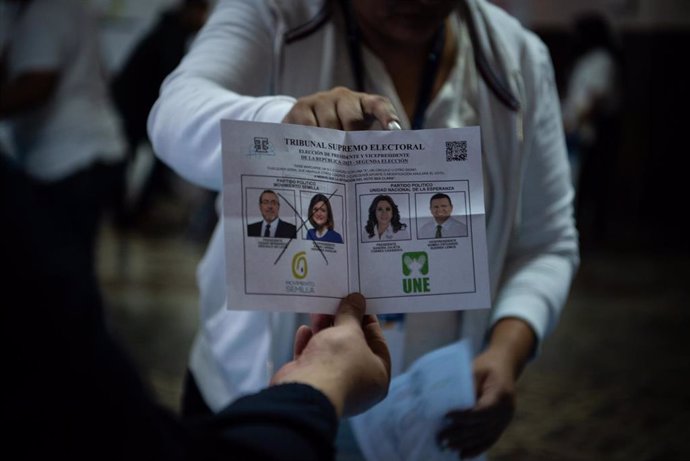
[
  {"x": 405, "y": 424},
  {"x": 312, "y": 214}
]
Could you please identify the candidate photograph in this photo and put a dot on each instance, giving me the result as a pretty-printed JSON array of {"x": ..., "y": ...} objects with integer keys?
[
  {"x": 322, "y": 221},
  {"x": 383, "y": 221},
  {"x": 271, "y": 225},
  {"x": 442, "y": 223}
]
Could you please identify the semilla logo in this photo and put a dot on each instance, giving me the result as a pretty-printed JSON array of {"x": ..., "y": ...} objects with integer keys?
[{"x": 299, "y": 265}]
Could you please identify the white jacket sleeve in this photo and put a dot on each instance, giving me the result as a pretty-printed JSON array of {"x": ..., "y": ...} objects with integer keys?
[
  {"x": 226, "y": 74},
  {"x": 543, "y": 252}
]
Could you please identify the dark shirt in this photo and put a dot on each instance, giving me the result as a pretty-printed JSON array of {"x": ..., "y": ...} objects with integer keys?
[
  {"x": 71, "y": 392},
  {"x": 329, "y": 236}
]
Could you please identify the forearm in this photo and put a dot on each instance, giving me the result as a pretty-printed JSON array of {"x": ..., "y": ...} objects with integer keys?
[
  {"x": 514, "y": 341},
  {"x": 190, "y": 144},
  {"x": 542, "y": 255},
  {"x": 291, "y": 419},
  {"x": 224, "y": 76}
]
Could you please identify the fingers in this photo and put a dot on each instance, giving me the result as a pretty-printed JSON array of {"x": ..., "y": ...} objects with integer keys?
[
  {"x": 327, "y": 115},
  {"x": 321, "y": 321},
  {"x": 350, "y": 113},
  {"x": 351, "y": 310},
  {"x": 380, "y": 108},
  {"x": 476, "y": 430},
  {"x": 343, "y": 109},
  {"x": 301, "y": 114},
  {"x": 376, "y": 341},
  {"x": 302, "y": 337}
]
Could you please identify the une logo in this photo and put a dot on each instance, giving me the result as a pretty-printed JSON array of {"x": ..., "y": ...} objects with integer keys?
[
  {"x": 415, "y": 265},
  {"x": 299, "y": 265}
]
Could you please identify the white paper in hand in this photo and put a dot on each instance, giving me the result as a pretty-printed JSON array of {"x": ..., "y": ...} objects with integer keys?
[{"x": 405, "y": 424}]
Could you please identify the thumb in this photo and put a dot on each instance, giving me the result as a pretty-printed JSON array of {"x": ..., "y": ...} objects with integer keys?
[
  {"x": 302, "y": 337},
  {"x": 351, "y": 310}
]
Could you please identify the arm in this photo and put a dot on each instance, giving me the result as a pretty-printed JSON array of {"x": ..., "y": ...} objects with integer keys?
[
  {"x": 226, "y": 74},
  {"x": 341, "y": 367},
  {"x": 348, "y": 361},
  {"x": 543, "y": 253},
  {"x": 287, "y": 419},
  {"x": 541, "y": 261}
]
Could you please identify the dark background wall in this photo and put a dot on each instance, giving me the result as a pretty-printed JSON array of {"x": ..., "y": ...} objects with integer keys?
[{"x": 646, "y": 182}]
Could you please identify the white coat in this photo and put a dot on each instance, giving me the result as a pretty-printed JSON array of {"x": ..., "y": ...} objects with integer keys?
[{"x": 253, "y": 59}]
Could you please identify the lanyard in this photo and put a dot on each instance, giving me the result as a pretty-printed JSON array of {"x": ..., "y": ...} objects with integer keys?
[{"x": 430, "y": 69}]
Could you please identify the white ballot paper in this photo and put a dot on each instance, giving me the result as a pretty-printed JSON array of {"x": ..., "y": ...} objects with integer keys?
[
  {"x": 312, "y": 214},
  {"x": 405, "y": 424}
]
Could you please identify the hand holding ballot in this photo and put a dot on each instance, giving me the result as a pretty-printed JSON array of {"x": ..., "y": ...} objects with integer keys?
[
  {"x": 345, "y": 357},
  {"x": 343, "y": 109}
]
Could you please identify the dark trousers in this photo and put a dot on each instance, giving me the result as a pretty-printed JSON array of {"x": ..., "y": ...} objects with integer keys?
[{"x": 59, "y": 222}]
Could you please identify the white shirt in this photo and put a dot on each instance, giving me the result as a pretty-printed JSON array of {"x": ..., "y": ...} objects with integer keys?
[
  {"x": 388, "y": 234},
  {"x": 451, "y": 227},
  {"x": 592, "y": 82},
  {"x": 78, "y": 126},
  {"x": 271, "y": 226}
]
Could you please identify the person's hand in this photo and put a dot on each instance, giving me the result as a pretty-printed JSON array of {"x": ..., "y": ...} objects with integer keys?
[
  {"x": 345, "y": 357},
  {"x": 496, "y": 370},
  {"x": 471, "y": 432},
  {"x": 343, "y": 109}
]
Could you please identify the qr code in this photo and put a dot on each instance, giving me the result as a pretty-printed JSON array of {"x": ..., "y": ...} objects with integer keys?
[{"x": 456, "y": 151}]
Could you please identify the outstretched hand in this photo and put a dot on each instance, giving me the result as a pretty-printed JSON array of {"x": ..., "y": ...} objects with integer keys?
[
  {"x": 496, "y": 370},
  {"x": 472, "y": 432},
  {"x": 345, "y": 357},
  {"x": 343, "y": 109}
]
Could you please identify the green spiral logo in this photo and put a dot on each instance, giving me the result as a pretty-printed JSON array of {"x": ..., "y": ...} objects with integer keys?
[{"x": 299, "y": 265}]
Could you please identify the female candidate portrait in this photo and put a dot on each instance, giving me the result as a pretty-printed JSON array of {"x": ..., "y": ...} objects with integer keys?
[
  {"x": 321, "y": 217},
  {"x": 384, "y": 220}
]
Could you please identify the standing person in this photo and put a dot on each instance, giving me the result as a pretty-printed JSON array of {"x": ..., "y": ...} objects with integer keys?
[
  {"x": 443, "y": 224},
  {"x": 66, "y": 135},
  {"x": 431, "y": 64},
  {"x": 383, "y": 221},
  {"x": 321, "y": 217},
  {"x": 272, "y": 225},
  {"x": 591, "y": 117},
  {"x": 135, "y": 87}
]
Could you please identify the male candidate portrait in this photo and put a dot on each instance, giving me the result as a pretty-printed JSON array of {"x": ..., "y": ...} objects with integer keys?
[
  {"x": 271, "y": 225},
  {"x": 442, "y": 224}
]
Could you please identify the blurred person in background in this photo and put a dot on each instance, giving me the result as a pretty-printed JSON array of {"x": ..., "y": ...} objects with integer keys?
[
  {"x": 591, "y": 118},
  {"x": 135, "y": 88},
  {"x": 65, "y": 133}
]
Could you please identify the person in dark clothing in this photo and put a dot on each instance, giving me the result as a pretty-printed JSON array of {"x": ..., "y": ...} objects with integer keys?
[
  {"x": 135, "y": 87},
  {"x": 72, "y": 393}
]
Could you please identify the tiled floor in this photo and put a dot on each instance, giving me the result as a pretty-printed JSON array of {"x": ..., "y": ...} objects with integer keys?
[{"x": 612, "y": 383}]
